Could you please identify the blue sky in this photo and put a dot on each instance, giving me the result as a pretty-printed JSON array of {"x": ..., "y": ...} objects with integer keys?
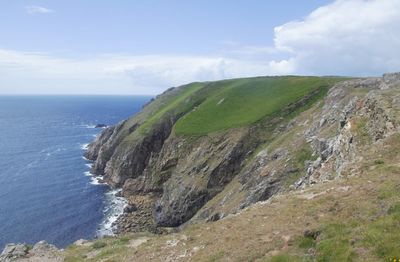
[
  {"x": 77, "y": 27},
  {"x": 144, "y": 47}
]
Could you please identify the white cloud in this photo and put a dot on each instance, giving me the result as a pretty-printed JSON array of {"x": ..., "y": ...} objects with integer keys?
[
  {"x": 347, "y": 37},
  {"x": 149, "y": 74},
  {"x": 34, "y": 9}
]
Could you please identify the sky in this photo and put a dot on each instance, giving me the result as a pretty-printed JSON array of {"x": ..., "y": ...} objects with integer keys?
[{"x": 145, "y": 47}]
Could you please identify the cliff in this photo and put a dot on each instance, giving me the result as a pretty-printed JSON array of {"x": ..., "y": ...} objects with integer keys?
[
  {"x": 257, "y": 169},
  {"x": 200, "y": 151}
]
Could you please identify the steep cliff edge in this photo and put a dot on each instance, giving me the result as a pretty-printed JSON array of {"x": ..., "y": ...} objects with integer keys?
[
  {"x": 187, "y": 145},
  {"x": 206, "y": 150}
]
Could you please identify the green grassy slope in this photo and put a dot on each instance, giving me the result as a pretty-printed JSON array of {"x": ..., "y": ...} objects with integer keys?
[
  {"x": 206, "y": 107},
  {"x": 172, "y": 104},
  {"x": 240, "y": 102}
]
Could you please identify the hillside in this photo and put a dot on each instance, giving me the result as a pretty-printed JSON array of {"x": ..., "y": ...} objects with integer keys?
[
  {"x": 257, "y": 169},
  {"x": 200, "y": 137}
]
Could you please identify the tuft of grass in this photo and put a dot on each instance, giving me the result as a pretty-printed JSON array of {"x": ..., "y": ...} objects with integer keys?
[
  {"x": 121, "y": 241},
  {"x": 216, "y": 257},
  {"x": 394, "y": 209},
  {"x": 303, "y": 155},
  {"x": 300, "y": 157},
  {"x": 335, "y": 244},
  {"x": 382, "y": 235},
  {"x": 285, "y": 258},
  {"x": 388, "y": 190},
  {"x": 360, "y": 128},
  {"x": 306, "y": 242},
  {"x": 74, "y": 259},
  {"x": 379, "y": 162},
  {"x": 99, "y": 244}
]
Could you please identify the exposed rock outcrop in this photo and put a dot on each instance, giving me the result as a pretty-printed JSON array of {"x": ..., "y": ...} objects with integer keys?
[
  {"x": 40, "y": 252},
  {"x": 361, "y": 119},
  {"x": 13, "y": 252}
]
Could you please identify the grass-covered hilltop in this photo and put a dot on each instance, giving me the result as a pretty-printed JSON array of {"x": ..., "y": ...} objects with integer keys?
[
  {"x": 284, "y": 168},
  {"x": 242, "y": 102}
]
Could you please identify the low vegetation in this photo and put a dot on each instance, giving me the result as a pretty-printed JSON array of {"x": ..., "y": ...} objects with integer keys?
[
  {"x": 356, "y": 218},
  {"x": 245, "y": 101},
  {"x": 208, "y": 107},
  {"x": 350, "y": 216}
]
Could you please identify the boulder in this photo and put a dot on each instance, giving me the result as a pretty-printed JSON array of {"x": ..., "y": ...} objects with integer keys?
[
  {"x": 130, "y": 208},
  {"x": 14, "y": 251},
  {"x": 43, "y": 247},
  {"x": 81, "y": 242}
]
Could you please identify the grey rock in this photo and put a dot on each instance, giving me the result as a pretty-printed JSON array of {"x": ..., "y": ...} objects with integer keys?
[
  {"x": 130, "y": 208},
  {"x": 43, "y": 247},
  {"x": 214, "y": 217},
  {"x": 81, "y": 242},
  {"x": 313, "y": 234},
  {"x": 13, "y": 251}
]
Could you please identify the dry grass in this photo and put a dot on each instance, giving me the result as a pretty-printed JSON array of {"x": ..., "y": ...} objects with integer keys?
[
  {"x": 354, "y": 218},
  {"x": 357, "y": 218}
]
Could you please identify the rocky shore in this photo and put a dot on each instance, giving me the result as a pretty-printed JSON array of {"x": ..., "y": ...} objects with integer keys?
[{"x": 137, "y": 216}]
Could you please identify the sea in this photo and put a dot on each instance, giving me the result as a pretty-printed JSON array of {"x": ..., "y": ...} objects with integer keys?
[{"x": 46, "y": 190}]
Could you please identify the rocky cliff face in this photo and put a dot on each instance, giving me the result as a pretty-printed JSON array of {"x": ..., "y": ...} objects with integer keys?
[
  {"x": 359, "y": 118},
  {"x": 175, "y": 179}
]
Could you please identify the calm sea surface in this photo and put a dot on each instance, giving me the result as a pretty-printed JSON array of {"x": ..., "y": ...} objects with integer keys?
[{"x": 44, "y": 192}]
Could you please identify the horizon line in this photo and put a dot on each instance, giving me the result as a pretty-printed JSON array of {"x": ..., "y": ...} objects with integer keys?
[{"x": 50, "y": 94}]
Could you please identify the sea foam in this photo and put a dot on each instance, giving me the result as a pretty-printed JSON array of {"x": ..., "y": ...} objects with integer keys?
[
  {"x": 114, "y": 208},
  {"x": 84, "y": 146}
]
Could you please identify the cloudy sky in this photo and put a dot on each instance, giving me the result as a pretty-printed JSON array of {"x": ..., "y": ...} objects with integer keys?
[{"x": 144, "y": 47}]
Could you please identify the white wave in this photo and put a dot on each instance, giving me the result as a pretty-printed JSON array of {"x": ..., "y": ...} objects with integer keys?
[
  {"x": 84, "y": 158},
  {"x": 97, "y": 180},
  {"x": 52, "y": 152},
  {"x": 86, "y": 126},
  {"x": 114, "y": 208},
  {"x": 84, "y": 146}
]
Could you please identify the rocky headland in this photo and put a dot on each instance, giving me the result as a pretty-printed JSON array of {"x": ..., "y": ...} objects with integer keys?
[
  {"x": 173, "y": 179},
  {"x": 311, "y": 160}
]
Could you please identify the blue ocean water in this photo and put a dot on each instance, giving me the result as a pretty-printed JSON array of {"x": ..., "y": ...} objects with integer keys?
[{"x": 44, "y": 194}]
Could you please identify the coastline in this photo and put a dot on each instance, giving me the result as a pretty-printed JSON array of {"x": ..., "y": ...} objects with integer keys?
[
  {"x": 114, "y": 202},
  {"x": 43, "y": 156},
  {"x": 123, "y": 214}
]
